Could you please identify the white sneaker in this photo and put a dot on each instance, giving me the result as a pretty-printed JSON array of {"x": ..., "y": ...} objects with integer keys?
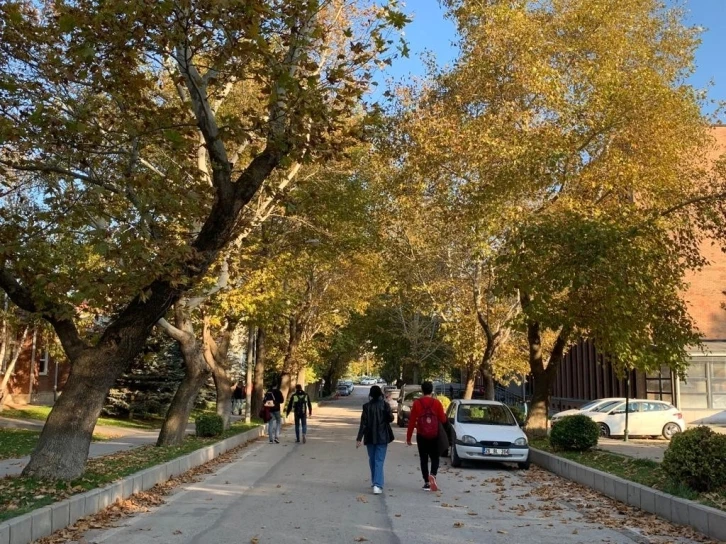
[{"x": 377, "y": 490}]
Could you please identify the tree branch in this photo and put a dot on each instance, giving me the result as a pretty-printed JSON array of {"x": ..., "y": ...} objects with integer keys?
[
  {"x": 64, "y": 327},
  {"x": 173, "y": 332}
]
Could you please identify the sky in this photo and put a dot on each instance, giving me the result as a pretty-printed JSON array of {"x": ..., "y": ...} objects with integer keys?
[{"x": 430, "y": 31}]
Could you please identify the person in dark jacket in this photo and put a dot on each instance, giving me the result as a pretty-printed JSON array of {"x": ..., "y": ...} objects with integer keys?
[
  {"x": 274, "y": 400},
  {"x": 300, "y": 403},
  {"x": 376, "y": 433}
]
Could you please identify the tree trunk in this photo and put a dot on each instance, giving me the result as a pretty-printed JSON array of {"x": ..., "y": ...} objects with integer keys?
[
  {"x": 259, "y": 391},
  {"x": 544, "y": 377},
  {"x": 469, "y": 390},
  {"x": 249, "y": 373},
  {"x": 301, "y": 377},
  {"x": 285, "y": 379},
  {"x": 63, "y": 445},
  {"x": 487, "y": 375},
  {"x": 196, "y": 373},
  {"x": 223, "y": 384}
]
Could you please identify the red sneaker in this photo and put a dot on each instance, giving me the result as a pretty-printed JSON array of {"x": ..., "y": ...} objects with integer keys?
[{"x": 432, "y": 483}]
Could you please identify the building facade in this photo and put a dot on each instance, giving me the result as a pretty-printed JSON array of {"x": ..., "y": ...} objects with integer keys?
[{"x": 37, "y": 377}]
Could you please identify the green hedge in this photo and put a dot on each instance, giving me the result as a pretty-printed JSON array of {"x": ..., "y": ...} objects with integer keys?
[
  {"x": 574, "y": 433},
  {"x": 209, "y": 425},
  {"x": 697, "y": 457}
]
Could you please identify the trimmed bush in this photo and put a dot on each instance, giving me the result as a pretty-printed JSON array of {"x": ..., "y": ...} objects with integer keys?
[
  {"x": 574, "y": 433},
  {"x": 445, "y": 401},
  {"x": 209, "y": 425},
  {"x": 697, "y": 457}
]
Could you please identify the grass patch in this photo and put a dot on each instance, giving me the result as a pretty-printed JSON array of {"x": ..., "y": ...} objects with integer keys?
[
  {"x": 641, "y": 471},
  {"x": 40, "y": 413},
  {"x": 16, "y": 443},
  {"x": 19, "y": 495}
]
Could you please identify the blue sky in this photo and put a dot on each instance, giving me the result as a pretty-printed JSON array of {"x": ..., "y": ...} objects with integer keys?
[{"x": 429, "y": 31}]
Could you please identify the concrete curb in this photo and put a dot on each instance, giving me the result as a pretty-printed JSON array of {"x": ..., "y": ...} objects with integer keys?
[
  {"x": 709, "y": 521},
  {"x": 44, "y": 521}
]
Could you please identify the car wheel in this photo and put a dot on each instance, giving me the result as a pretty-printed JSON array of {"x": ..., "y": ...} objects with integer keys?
[
  {"x": 604, "y": 430},
  {"x": 524, "y": 466},
  {"x": 455, "y": 459},
  {"x": 670, "y": 430}
]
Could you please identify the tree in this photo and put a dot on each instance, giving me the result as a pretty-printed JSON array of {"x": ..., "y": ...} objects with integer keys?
[
  {"x": 116, "y": 134},
  {"x": 582, "y": 133}
]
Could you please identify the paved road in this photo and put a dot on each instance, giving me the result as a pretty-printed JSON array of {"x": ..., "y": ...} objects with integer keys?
[{"x": 319, "y": 493}]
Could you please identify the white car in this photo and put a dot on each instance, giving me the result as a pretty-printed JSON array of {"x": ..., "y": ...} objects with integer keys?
[
  {"x": 597, "y": 405},
  {"x": 485, "y": 430},
  {"x": 645, "y": 418}
]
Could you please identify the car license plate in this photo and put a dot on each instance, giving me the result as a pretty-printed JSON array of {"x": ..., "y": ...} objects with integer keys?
[{"x": 495, "y": 451}]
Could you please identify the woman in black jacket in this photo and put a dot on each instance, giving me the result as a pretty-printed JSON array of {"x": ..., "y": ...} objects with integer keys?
[{"x": 376, "y": 433}]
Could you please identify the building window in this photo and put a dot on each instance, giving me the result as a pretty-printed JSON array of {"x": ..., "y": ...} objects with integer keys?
[
  {"x": 44, "y": 363},
  {"x": 718, "y": 385},
  {"x": 658, "y": 385}
]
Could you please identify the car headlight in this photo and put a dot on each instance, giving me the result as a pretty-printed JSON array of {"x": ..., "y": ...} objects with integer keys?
[
  {"x": 520, "y": 442},
  {"x": 406, "y": 408},
  {"x": 466, "y": 439}
]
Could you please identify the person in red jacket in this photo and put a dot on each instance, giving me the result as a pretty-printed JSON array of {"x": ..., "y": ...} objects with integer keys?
[{"x": 426, "y": 414}]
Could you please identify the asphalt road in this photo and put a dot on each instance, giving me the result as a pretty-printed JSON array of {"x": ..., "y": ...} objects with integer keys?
[{"x": 320, "y": 493}]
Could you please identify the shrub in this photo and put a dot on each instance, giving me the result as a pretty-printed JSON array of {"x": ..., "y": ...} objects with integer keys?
[
  {"x": 209, "y": 425},
  {"x": 574, "y": 433},
  {"x": 445, "y": 401},
  {"x": 697, "y": 457}
]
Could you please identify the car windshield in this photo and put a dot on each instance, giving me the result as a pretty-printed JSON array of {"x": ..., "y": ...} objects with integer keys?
[
  {"x": 606, "y": 407},
  {"x": 413, "y": 395},
  {"x": 590, "y": 405},
  {"x": 485, "y": 414}
]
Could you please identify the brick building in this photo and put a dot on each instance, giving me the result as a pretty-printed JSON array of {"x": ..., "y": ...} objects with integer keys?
[
  {"x": 586, "y": 375},
  {"x": 35, "y": 359}
]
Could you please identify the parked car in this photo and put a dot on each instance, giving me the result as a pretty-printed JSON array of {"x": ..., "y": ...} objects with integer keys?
[
  {"x": 343, "y": 389},
  {"x": 645, "y": 418},
  {"x": 392, "y": 395},
  {"x": 368, "y": 381},
  {"x": 350, "y": 385},
  {"x": 485, "y": 430},
  {"x": 597, "y": 405}
]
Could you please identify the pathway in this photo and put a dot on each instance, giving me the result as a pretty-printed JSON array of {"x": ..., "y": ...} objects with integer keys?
[{"x": 319, "y": 493}]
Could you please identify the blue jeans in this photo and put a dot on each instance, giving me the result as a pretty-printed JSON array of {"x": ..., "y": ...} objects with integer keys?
[
  {"x": 298, "y": 420},
  {"x": 376, "y": 457},
  {"x": 274, "y": 425}
]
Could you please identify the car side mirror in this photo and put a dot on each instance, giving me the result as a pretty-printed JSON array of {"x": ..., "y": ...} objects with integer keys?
[
  {"x": 451, "y": 420},
  {"x": 617, "y": 412}
]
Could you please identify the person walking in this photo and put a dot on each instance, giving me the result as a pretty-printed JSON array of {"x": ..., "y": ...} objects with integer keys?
[
  {"x": 273, "y": 400},
  {"x": 300, "y": 403},
  {"x": 238, "y": 396},
  {"x": 376, "y": 433},
  {"x": 426, "y": 414}
]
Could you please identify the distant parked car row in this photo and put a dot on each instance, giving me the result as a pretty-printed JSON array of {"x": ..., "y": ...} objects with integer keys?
[{"x": 645, "y": 417}]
